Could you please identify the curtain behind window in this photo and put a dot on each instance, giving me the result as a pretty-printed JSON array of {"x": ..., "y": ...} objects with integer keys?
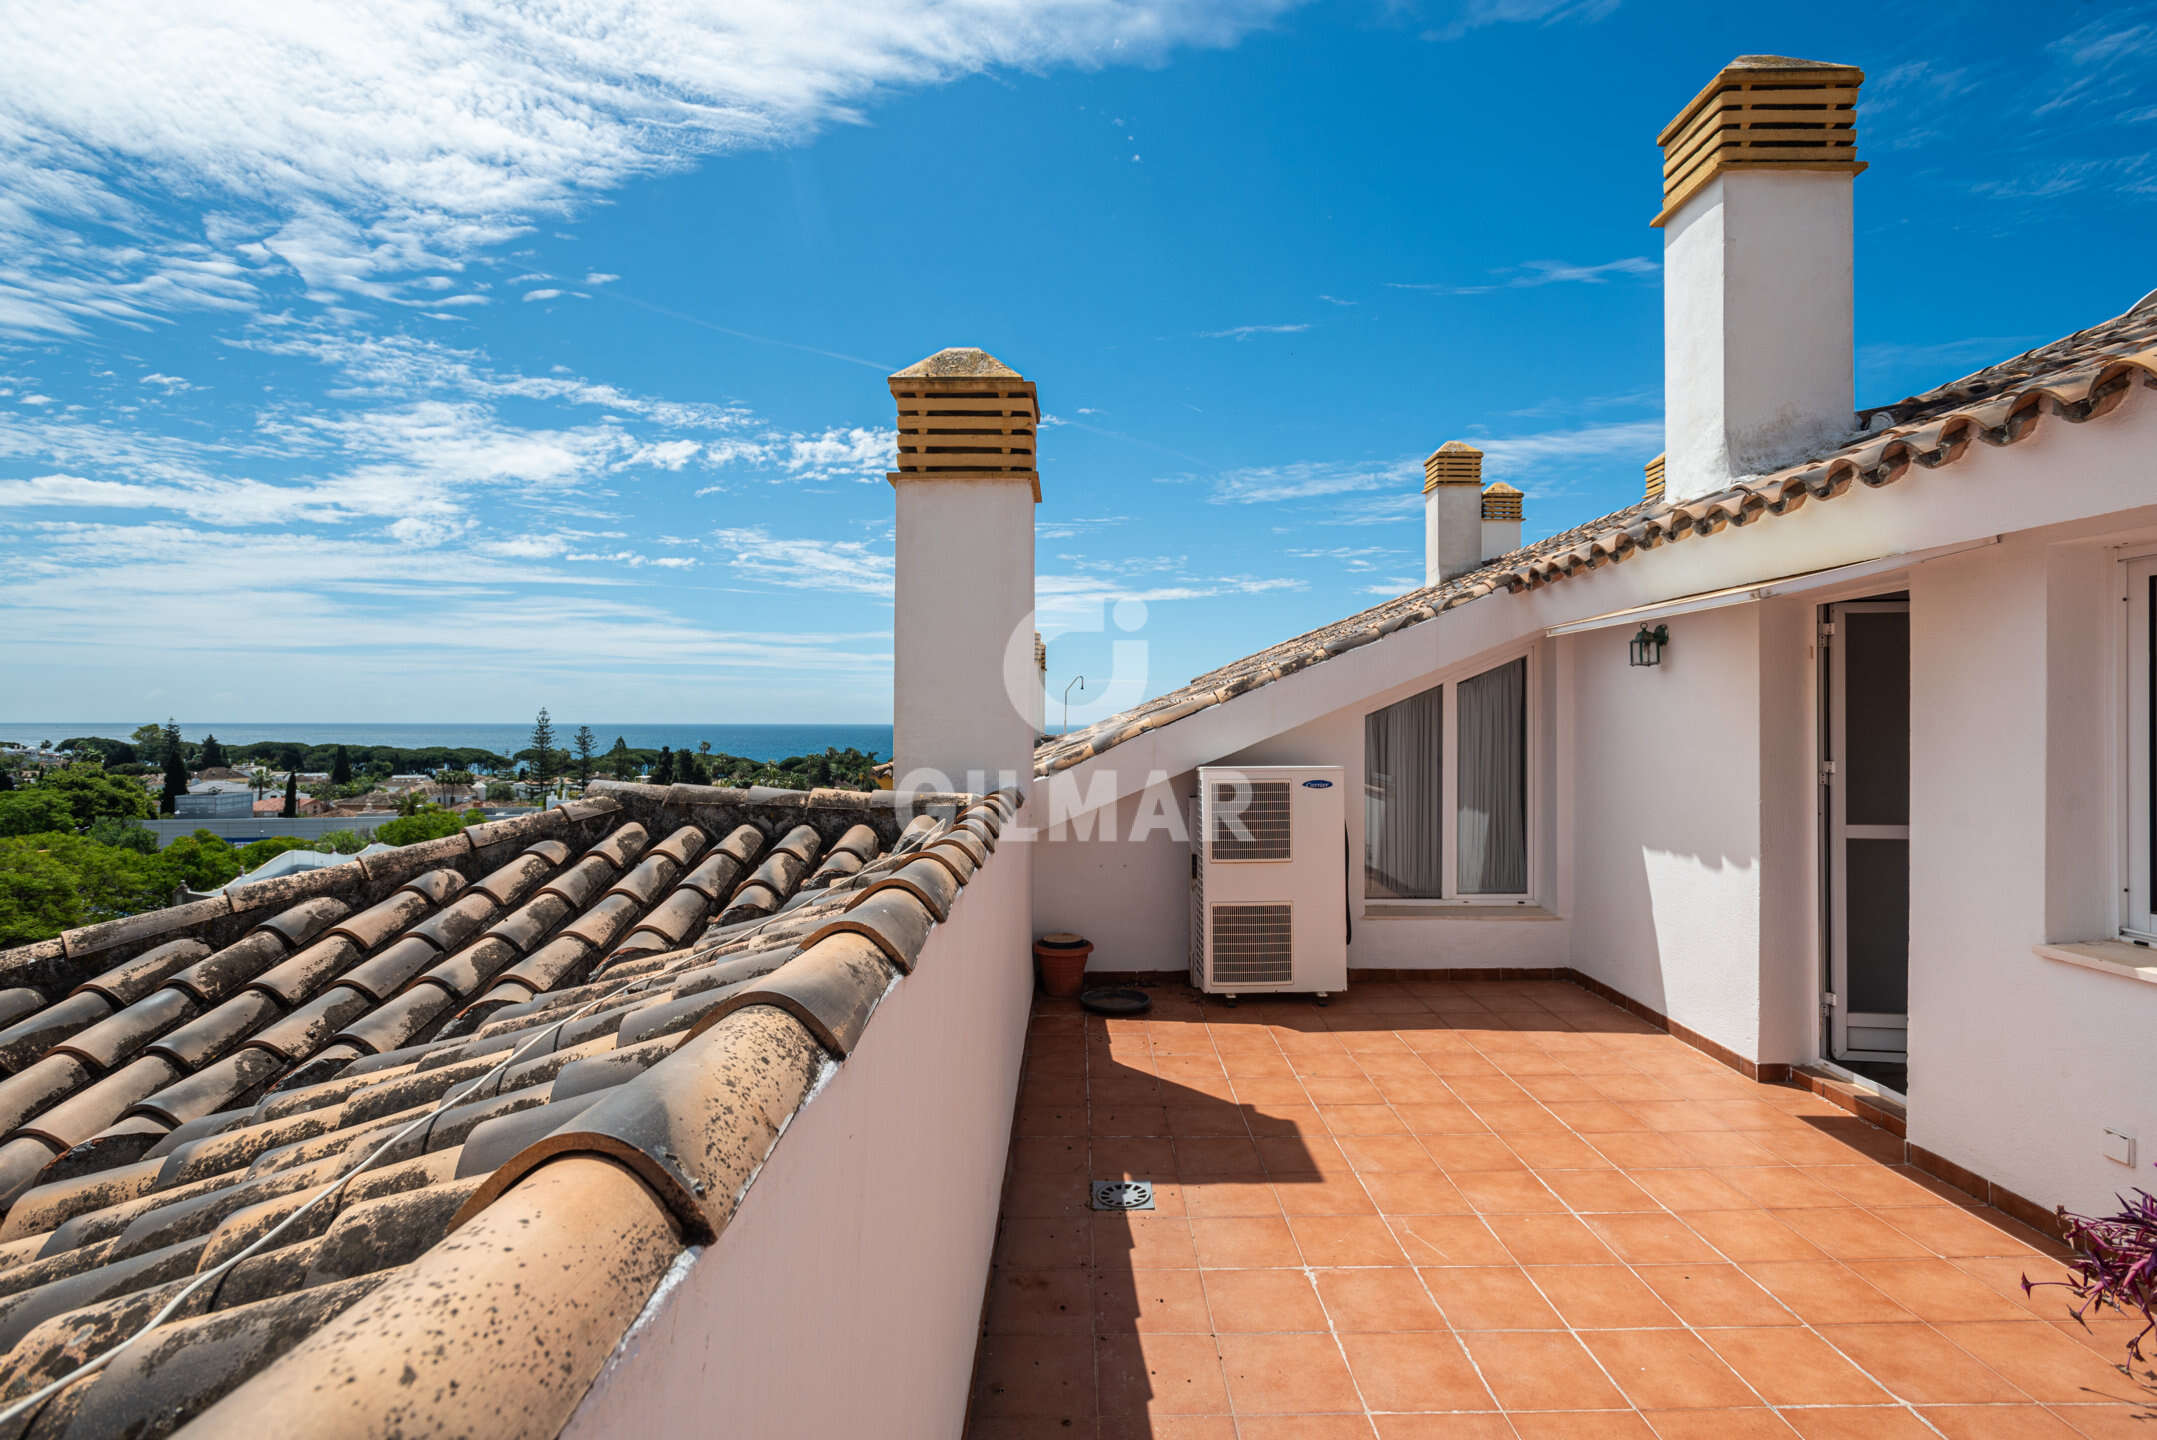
[
  {"x": 1493, "y": 835},
  {"x": 1403, "y": 799}
]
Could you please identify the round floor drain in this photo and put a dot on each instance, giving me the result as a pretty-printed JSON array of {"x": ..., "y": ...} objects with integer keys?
[{"x": 1123, "y": 1194}]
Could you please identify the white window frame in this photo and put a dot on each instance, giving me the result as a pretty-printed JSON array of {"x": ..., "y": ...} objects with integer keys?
[
  {"x": 1449, "y": 782},
  {"x": 2138, "y": 905}
]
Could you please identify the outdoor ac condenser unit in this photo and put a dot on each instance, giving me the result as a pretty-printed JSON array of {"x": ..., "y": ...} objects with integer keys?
[{"x": 1269, "y": 885}]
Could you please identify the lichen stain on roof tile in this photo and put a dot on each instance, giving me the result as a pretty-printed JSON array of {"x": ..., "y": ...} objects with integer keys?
[{"x": 502, "y": 1007}]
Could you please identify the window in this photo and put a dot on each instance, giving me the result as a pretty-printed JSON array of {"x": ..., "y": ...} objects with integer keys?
[
  {"x": 1445, "y": 791},
  {"x": 2140, "y": 883}
]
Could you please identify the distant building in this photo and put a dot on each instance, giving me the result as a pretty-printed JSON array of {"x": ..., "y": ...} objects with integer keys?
[{"x": 214, "y": 805}]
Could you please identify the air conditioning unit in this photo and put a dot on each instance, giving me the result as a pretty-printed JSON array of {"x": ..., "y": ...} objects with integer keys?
[{"x": 1269, "y": 883}]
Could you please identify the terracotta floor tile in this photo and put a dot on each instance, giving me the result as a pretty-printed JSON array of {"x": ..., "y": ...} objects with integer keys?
[
  {"x": 1242, "y": 1242},
  {"x": 1541, "y": 1370},
  {"x": 1449, "y": 1240},
  {"x": 1049, "y": 1120},
  {"x": 1424, "y": 1089},
  {"x": 1919, "y": 1365},
  {"x": 1134, "y": 1158},
  {"x": 2046, "y": 1365},
  {"x": 1851, "y": 1234},
  {"x": 1998, "y": 1422},
  {"x": 1688, "y": 1190},
  {"x": 1601, "y": 1297},
  {"x": 1752, "y": 1235},
  {"x": 1458, "y": 1153},
  {"x": 1159, "y": 1375},
  {"x": 1346, "y": 1240},
  {"x": 1490, "y": 1297},
  {"x": 1714, "y": 1294},
  {"x": 1439, "y": 1117},
  {"x": 1040, "y": 1244},
  {"x": 1883, "y": 1423},
  {"x": 1268, "y": 1091},
  {"x": 1305, "y": 1427},
  {"x": 1720, "y": 1148},
  {"x": 1341, "y": 1090},
  {"x": 1490, "y": 1426},
  {"x": 1042, "y": 1196},
  {"x": 1307, "y": 1154},
  {"x": 2110, "y": 1422},
  {"x": 1362, "y": 1120},
  {"x": 1651, "y": 1239},
  {"x": 1139, "y": 1241},
  {"x": 1933, "y": 1290},
  {"x": 1477, "y": 1091},
  {"x": 1878, "y": 1186},
  {"x": 1377, "y": 1300},
  {"x": 1509, "y": 1192},
  {"x": 1283, "y": 1121},
  {"x": 1566, "y": 1151},
  {"x": 1414, "y": 1372},
  {"x": 1750, "y": 1424},
  {"x": 1592, "y": 1191},
  {"x": 1201, "y": 1158},
  {"x": 1824, "y": 1292},
  {"x": 1793, "y": 1367},
  {"x": 1325, "y": 1063},
  {"x": 1287, "y": 1375},
  {"x": 1414, "y": 1192},
  {"x": 1034, "y": 1375},
  {"x": 1952, "y": 1231},
  {"x": 1224, "y": 1118},
  {"x": 1323, "y": 1195},
  {"x": 1549, "y": 1240},
  {"x": 1150, "y": 1301},
  {"x": 1566, "y": 1086},
  {"x": 1040, "y": 1302},
  {"x": 1399, "y": 1152},
  {"x": 1246, "y": 1301},
  {"x": 1048, "y": 1155},
  {"x": 1668, "y": 1370},
  {"x": 1783, "y": 1187},
  {"x": 1150, "y": 1120},
  {"x": 1230, "y": 1197},
  {"x": 1581, "y": 1425},
  {"x": 1642, "y": 1150},
  {"x": 1520, "y": 1117}
]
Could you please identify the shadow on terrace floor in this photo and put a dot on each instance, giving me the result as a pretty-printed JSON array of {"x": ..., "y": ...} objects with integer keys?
[{"x": 1494, "y": 1211}]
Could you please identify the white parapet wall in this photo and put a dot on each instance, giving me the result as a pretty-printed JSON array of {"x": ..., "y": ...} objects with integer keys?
[{"x": 845, "y": 1298}]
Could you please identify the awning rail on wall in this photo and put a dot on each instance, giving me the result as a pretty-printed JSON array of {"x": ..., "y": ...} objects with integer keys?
[{"x": 1763, "y": 589}]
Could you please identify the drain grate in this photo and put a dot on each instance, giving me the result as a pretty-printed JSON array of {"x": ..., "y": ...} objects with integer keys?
[{"x": 1123, "y": 1194}]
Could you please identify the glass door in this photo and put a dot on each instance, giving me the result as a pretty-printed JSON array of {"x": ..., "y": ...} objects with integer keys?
[{"x": 1867, "y": 777}]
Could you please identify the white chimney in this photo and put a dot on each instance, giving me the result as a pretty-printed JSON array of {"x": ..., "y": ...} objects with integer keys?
[
  {"x": 1501, "y": 519},
  {"x": 966, "y": 700},
  {"x": 1756, "y": 221},
  {"x": 1452, "y": 512}
]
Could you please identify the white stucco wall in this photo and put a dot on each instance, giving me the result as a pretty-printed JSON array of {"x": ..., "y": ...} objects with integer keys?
[
  {"x": 1756, "y": 253},
  {"x": 2019, "y": 1063},
  {"x": 845, "y": 1297},
  {"x": 965, "y": 693}
]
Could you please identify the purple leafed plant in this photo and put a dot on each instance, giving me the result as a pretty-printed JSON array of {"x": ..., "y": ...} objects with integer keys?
[{"x": 2115, "y": 1263}]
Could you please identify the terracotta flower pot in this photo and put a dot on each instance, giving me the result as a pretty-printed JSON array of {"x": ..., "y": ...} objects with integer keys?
[{"x": 1061, "y": 961}]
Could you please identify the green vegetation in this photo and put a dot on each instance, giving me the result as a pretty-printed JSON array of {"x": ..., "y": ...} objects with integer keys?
[
  {"x": 56, "y": 881},
  {"x": 427, "y": 822}
]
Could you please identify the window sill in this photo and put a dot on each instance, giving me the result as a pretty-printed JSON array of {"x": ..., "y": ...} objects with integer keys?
[
  {"x": 1411, "y": 910},
  {"x": 2115, "y": 957}
]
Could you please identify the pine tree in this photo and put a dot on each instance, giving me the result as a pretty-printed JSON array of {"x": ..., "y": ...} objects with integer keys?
[
  {"x": 690, "y": 769},
  {"x": 213, "y": 754},
  {"x": 169, "y": 739},
  {"x": 292, "y": 795},
  {"x": 175, "y": 780},
  {"x": 623, "y": 763},
  {"x": 543, "y": 751},
  {"x": 341, "y": 768},
  {"x": 587, "y": 747},
  {"x": 663, "y": 772}
]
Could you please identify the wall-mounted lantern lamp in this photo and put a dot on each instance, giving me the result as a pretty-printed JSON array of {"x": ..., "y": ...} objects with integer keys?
[{"x": 1647, "y": 646}]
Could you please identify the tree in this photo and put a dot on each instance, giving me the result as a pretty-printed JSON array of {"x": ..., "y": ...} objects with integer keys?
[
  {"x": 175, "y": 780},
  {"x": 92, "y": 794},
  {"x": 587, "y": 746},
  {"x": 689, "y": 769},
  {"x": 7, "y": 779},
  {"x": 34, "y": 811},
  {"x": 341, "y": 768},
  {"x": 260, "y": 779},
  {"x": 292, "y": 795},
  {"x": 663, "y": 772},
  {"x": 147, "y": 739},
  {"x": 542, "y": 751},
  {"x": 621, "y": 761},
  {"x": 201, "y": 861},
  {"x": 169, "y": 741},
  {"x": 213, "y": 754}
]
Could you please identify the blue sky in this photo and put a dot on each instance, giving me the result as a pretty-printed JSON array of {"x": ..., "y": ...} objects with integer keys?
[{"x": 412, "y": 361}]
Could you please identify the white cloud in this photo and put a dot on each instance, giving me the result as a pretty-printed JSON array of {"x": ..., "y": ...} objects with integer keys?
[
  {"x": 600, "y": 277},
  {"x": 1534, "y": 273},
  {"x": 1475, "y": 14},
  {"x": 172, "y": 384},
  {"x": 1503, "y": 457},
  {"x": 542, "y": 294},
  {"x": 1245, "y": 332},
  {"x": 365, "y": 148},
  {"x": 843, "y": 565}
]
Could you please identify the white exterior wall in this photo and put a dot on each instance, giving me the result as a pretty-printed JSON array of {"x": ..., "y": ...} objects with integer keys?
[
  {"x": 856, "y": 1267},
  {"x": 965, "y": 693},
  {"x": 1757, "y": 314},
  {"x": 1452, "y": 531}
]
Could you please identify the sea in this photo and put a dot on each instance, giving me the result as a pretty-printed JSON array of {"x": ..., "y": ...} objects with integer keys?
[{"x": 751, "y": 742}]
